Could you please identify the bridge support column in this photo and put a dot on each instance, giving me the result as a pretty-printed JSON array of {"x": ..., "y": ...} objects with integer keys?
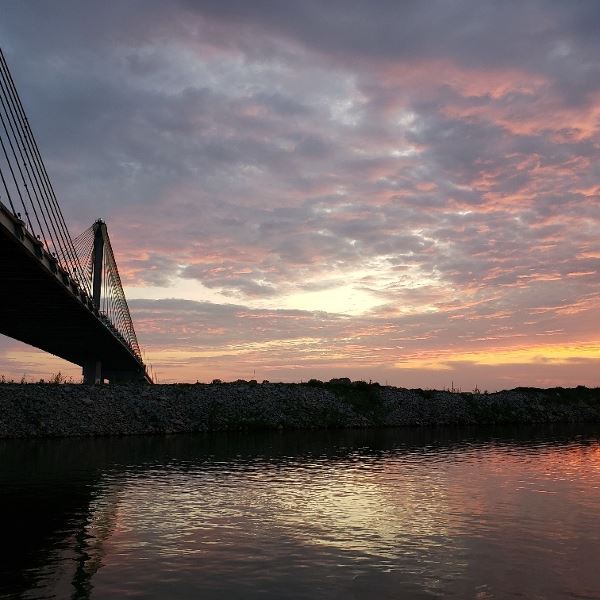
[{"x": 92, "y": 372}]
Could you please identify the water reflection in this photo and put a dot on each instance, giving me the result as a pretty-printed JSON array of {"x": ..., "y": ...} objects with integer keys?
[{"x": 388, "y": 513}]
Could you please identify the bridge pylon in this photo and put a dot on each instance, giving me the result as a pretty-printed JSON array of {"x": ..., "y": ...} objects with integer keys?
[
  {"x": 92, "y": 368},
  {"x": 108, "y": 300}
]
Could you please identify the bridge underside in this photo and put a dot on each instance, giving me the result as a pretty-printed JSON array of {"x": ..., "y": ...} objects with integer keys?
[{"x": 41, "y": 306}]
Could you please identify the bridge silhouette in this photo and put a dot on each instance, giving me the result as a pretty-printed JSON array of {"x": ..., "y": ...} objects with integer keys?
[{"x": 58, "y": 293}]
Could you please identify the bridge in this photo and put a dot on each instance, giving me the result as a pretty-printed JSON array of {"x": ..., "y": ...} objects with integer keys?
[{"x": 58, "y": 293}]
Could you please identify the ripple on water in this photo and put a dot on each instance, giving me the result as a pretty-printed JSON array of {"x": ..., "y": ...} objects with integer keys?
[{"x": 308, "y": 515}]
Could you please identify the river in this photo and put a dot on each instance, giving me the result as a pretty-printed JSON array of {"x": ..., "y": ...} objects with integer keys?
[{"x": 392, "y": 513}]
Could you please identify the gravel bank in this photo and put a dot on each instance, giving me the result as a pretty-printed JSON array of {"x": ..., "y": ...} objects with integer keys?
[{"x": 36, "y": 410}]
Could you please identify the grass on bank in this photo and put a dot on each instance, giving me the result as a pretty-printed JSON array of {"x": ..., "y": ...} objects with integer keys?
[{"x": 54, "y": 379}]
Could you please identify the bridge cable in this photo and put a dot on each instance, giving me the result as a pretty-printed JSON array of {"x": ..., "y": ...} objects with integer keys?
[
  {"x": 10, "y": 118},
  {"x": 28, "y": 143},
  {"x": 38, "y": 178},
  {"x": 67, "y": 249},
  {"x": 8, "y": 194}
]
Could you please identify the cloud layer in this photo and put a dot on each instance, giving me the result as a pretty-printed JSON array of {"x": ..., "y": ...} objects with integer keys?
[{"x": 383, "y": 188}]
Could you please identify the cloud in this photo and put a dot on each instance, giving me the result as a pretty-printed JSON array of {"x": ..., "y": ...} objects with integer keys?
[{"x": 436, "y": 161}]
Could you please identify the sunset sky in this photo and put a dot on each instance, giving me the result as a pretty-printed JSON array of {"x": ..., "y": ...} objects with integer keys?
[{"x": 400, "y": 191}]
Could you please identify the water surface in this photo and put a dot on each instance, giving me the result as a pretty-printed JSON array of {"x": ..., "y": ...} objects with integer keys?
[{"x": 371, "y": 514}]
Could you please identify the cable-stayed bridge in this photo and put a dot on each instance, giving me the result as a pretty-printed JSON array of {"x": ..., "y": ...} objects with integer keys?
[{"x": 61, "y": 294}]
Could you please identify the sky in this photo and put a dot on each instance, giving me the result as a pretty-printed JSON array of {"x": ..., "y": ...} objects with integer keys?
[{"x": 405, "y": 192}]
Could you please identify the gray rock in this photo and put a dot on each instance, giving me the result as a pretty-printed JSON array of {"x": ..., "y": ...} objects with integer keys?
[{"x": 31, "y": 410}]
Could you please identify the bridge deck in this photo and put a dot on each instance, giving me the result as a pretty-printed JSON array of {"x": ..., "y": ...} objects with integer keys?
[{"x": 42, "y": 306}]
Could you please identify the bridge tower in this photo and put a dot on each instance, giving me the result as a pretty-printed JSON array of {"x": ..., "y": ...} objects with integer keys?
[
  {"x": 109, "y": 302},
  {"x": 92, "y": 368}
]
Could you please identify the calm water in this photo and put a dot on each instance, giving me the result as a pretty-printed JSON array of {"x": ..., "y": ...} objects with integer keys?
[{"x": 383, "y": 514}]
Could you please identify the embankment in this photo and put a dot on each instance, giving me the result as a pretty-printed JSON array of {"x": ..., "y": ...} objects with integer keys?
[{"x": 35, "y": 410}]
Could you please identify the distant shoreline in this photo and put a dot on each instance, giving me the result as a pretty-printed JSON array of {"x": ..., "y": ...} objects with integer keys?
[{"x": 48, "y": 410}]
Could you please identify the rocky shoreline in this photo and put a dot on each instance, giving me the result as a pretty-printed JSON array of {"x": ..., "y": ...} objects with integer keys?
[{"x": 49, "y": 410}]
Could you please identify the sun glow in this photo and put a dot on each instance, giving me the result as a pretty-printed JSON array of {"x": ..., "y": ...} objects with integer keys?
[
  {"x": 344, "y": 299},
  {"x": 548, "y": 354}
]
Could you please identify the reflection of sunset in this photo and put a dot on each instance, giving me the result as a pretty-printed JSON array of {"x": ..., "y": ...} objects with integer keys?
[
  {"x": 450, "y": 508},
  {"x": 371, "y": 513},
  {"x": 380, "y": 501}
]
